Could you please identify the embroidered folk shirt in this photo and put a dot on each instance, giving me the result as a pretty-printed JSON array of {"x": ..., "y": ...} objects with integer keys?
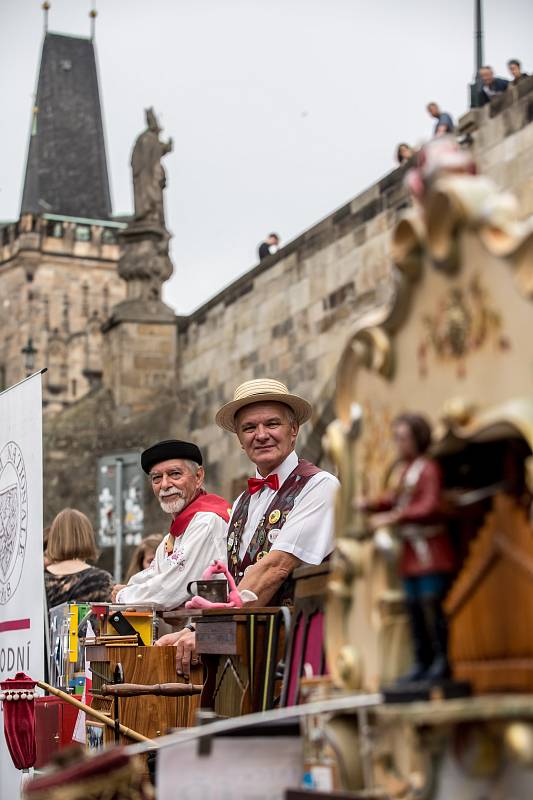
[
  {"x": 308, "y": 532},
  {"x": 165, "y": 581}
]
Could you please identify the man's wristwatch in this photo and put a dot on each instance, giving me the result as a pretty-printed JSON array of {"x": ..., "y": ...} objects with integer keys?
[{"x": 191, "y": 627}]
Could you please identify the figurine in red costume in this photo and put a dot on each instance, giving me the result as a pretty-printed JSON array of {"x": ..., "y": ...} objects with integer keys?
[{"x": 415, "y": 511}]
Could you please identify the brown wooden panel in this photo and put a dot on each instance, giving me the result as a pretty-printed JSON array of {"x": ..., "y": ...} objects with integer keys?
[
  {"x": 233, "y": 685},
  {"x": 490, "y": 606},
  {"x": 216, "y": 637},
  {"x": 179, "y": 615},
  {"x": 96, "y": 652},
  {"x": 508, "y": 674},
  {"x": 152, "y": 716},
  {"x": 311, "y": 570},
  {"x": 312, "y": 586},
  {"x": 312, "y": 794}
]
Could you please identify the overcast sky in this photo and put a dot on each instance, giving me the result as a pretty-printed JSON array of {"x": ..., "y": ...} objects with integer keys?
[{"x": 280, "y": 110}]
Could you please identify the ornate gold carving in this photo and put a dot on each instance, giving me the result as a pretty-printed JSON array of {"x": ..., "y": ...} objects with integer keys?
[
  {"x": 461, "y": 420},
  {"x": 464, "y": 322},
  {"x": 457, "y": 412},
  {"x": 369, "y": 347},
  {"x": 407, "y": 244},
  {"x": 343, "y": 657}
]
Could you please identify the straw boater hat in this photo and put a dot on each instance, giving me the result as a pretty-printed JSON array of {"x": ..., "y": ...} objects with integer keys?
[{"x": 262, "y": 390}]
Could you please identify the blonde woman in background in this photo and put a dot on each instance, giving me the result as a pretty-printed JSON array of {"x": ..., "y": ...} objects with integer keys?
[{"x": 68, "y": 576}]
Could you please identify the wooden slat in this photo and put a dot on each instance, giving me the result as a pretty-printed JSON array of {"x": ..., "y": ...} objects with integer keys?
[{"x": 490, "y": 606}]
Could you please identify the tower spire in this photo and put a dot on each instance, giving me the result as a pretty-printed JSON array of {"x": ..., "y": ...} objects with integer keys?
[
  {"x": 66, "y": 169},
  {"x": 46, "y": 8},
  {"x": 93, "y": 13}
]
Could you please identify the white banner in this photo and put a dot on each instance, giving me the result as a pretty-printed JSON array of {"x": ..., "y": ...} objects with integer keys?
[
  {"x": 264, "y": 768},
  {"x": 21, "y": 547}
]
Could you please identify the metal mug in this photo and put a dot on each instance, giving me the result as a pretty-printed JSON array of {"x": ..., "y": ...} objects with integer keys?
[{"x": 216, "y": 591}]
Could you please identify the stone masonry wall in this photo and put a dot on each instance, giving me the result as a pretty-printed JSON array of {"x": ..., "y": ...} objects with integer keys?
[
  {"x": 288, "y": 318},
  {"x": 58, "y": 291}
]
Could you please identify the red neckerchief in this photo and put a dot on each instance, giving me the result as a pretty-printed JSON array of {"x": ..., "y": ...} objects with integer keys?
[{"x": 203, "y": 502}]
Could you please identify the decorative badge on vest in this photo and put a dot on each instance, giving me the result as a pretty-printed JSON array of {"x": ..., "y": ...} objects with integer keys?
[{"x": 270, "y": 524}]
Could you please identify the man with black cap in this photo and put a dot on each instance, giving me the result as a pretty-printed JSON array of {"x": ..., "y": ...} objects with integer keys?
[{"x": 197, "y": 533}]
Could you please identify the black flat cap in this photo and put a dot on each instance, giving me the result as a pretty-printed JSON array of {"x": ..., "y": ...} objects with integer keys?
[{"x": 170, "y": 448}]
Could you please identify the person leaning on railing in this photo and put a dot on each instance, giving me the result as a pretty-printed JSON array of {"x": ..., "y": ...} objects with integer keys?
[
  {"x": 490, "y": 85},
  {"x": 515, "y": 68}
]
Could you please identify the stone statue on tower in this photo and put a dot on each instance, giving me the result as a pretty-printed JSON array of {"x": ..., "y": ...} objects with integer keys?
[
  {"x": 149, "y": 178},
  {"x": 145, "y": 262}
]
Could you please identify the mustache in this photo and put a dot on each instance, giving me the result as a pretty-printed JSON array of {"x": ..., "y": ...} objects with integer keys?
[{"x": 171, "y": 493}]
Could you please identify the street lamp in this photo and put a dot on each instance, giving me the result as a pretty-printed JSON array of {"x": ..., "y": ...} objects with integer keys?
[
  {"x": 29, "y": 352},
  {"x": 475, "y": 87}
]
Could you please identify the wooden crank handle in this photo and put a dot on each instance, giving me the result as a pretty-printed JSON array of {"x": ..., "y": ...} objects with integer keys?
[{"x": 166, "y": 689}]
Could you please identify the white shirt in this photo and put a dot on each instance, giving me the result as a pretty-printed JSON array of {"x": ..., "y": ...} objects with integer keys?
[
  {"x": 165, "y": 581},
  {"x": 308, "y": 532}
]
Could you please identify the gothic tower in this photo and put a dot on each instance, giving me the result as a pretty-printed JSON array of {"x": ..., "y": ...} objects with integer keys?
[{"x": 58, "y": 262}]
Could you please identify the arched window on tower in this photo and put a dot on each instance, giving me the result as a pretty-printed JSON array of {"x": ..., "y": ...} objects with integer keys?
[
  {"x": 46, "y": 312},
  {"x": 85, "y": 299},
  {"x": 105, "y": 306},
  {"x": 54, "y": 229},
  {"x": 82, "y": 233},
  {"x": 57, "y": 364},
  {"x": 93, "y": 351},
  {"x": 65, "y": 321},
  {"x": 76, "y": 346}
]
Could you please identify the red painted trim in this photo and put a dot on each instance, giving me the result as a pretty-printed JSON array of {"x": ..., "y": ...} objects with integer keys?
[{"x": 14, "y": 625}]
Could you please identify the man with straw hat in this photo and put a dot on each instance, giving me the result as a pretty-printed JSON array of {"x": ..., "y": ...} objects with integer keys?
[{"x": 285, "y": 517}]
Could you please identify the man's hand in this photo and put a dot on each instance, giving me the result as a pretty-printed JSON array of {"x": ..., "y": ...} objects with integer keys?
[
  {"x": 184, "y": 641},
  {"x": 115, "y": 590},
  {"x": 168, "y": 639},
  {"x": 185, "y": 655}
]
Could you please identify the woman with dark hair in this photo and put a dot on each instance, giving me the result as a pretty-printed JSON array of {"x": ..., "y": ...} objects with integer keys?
[
  {"x": 143, "y": 555},
  {"x": 415, "y": 510},
  {"x": 403, "y": 153}
]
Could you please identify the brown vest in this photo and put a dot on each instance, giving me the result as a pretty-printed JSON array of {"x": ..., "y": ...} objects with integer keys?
[{"x": 273, "y": 520}]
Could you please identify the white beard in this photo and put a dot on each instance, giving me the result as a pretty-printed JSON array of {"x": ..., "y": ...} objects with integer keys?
[{"x": 172, "y": 504}]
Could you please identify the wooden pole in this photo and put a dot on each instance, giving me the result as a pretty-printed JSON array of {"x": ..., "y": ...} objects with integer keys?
[
  {"x": 131, "y": 734},
  {"x": 164, "y": 689}
]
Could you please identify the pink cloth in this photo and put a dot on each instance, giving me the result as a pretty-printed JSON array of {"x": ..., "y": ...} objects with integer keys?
[{"x": 234, "y": 598}]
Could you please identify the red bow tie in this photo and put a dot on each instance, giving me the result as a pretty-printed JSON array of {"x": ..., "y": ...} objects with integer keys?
[{"x": 256, "y": 484}]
